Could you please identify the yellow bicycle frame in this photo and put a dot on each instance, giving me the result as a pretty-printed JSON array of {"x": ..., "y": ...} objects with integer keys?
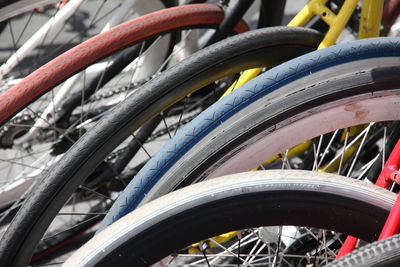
[
  {"x": 371, "y": 15},
  {"x": 370, "y": 20}
]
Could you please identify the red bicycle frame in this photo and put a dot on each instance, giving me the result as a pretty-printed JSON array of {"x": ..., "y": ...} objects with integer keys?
[{"x": 389, "y": 174}]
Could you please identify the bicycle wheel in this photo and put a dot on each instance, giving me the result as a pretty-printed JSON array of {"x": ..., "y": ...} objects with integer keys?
[
  {"x": 338, "y": 87},
  {"x": 234, "y": 202},
  {"x": 379, "y": 253},
  {"x": 23, "y": 130},
  {"x": 37, "y": 31},
  {"x": 258, "y": 48},
  {"x": 7, "y": 134},
  {"x": 203, "y": 16}
]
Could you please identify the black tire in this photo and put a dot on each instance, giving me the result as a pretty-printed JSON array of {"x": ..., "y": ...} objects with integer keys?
[
  {"x": 174, "y": 221},
  {"x": 383, "y": 253},
  {"x": 266, "y": 47},
  {"x": 218, "y": 142}
]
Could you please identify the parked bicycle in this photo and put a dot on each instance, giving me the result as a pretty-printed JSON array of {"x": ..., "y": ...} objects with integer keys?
[{"x": 153, "y": 96}]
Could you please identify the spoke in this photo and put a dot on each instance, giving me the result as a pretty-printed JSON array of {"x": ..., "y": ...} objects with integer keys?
[
  {"x": 327, "y": 149},
  {"x": 52, "y": 126},
  {"x": 74, "y": 196},
  {"x": 181, "y": 115},
  {"x": 239, "y": 237},
  {"x": 82, "y": 21},
  {"x": 176, "y": 51},
  {"x": 95, "y": 192},
  {"x": 77, "y": 35},
  {"x": 27, "y": 126},
  {"x": 141, "y": 146},
  {"x": 21, "y": 164},
  {"x": 134, "y": 67},
  {"x": 23, "y": 172},
  {"x": 80, "y": 213},
  {"x": 48, "y": 30},
  {"x": 41, "y": 103},
  {"x": 166, "y": 125},
  {"x": 105, "y": 15},
  {"x": 253, "y": 254},
  {"x": 16, "y": 204},
  {"x": 28, "y": 155},
  {"x": 197, "y": 104},
  {"x": 326, "y": 248},
  {"x": 225, "y": 252},
  {"x": 54, "y": 110},
  {"x": 317, "y": 249},
  {"x": 25, "y": 27},
  {"x": 205, "y": 256},
  {"x": 359, "y": 150},
  {"x": 9, "y": 170},
  {"x": 272, "y": 250},
  {"x": 285, "y": 161},
  {"x": 98, "y": 86},
  {"x": 345, "y": 147},
  {"x": 252, "y": 259},
  {"x": 225, "y": 249},
  {"x": 316, "y": 152},
  {"x": 82, "y": 102},
  {"x": 71, "y": 228},
  {"x": 316, "y": 238},
  {"x": 278, "y": 247},
  {"x": 14, "y": 45},
  {"x": 247, "y": 259}
]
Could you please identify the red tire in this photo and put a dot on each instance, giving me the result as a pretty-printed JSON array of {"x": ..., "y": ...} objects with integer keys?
[{"x": 128, "y": 33}]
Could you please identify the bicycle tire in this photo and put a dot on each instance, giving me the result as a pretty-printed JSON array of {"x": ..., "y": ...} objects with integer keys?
[
  {"x": 6, "y": 133},
  {"x": 20, "y": 124},
  {"x": 236, "y": 202},
  {"x": 157, "y": 94},
  {"x": 225, "y": 130},
  {"x": 92, "y": 50},
  {"x": 204, "y": 16},
  {"x": 382, "y": 253}
]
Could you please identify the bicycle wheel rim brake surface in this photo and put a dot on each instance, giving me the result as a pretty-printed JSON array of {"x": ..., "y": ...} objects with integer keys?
[
  {"x": 233, "y": 134},
  {"x": 157, "y": 95},
  {"x": 239, "y": 201}
]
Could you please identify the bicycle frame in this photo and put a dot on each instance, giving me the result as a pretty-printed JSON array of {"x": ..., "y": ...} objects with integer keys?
[
  {"x": 389, "y": 174},
  {"x": 371, "y": 15},
  {"x": 370, "y": 20}
]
